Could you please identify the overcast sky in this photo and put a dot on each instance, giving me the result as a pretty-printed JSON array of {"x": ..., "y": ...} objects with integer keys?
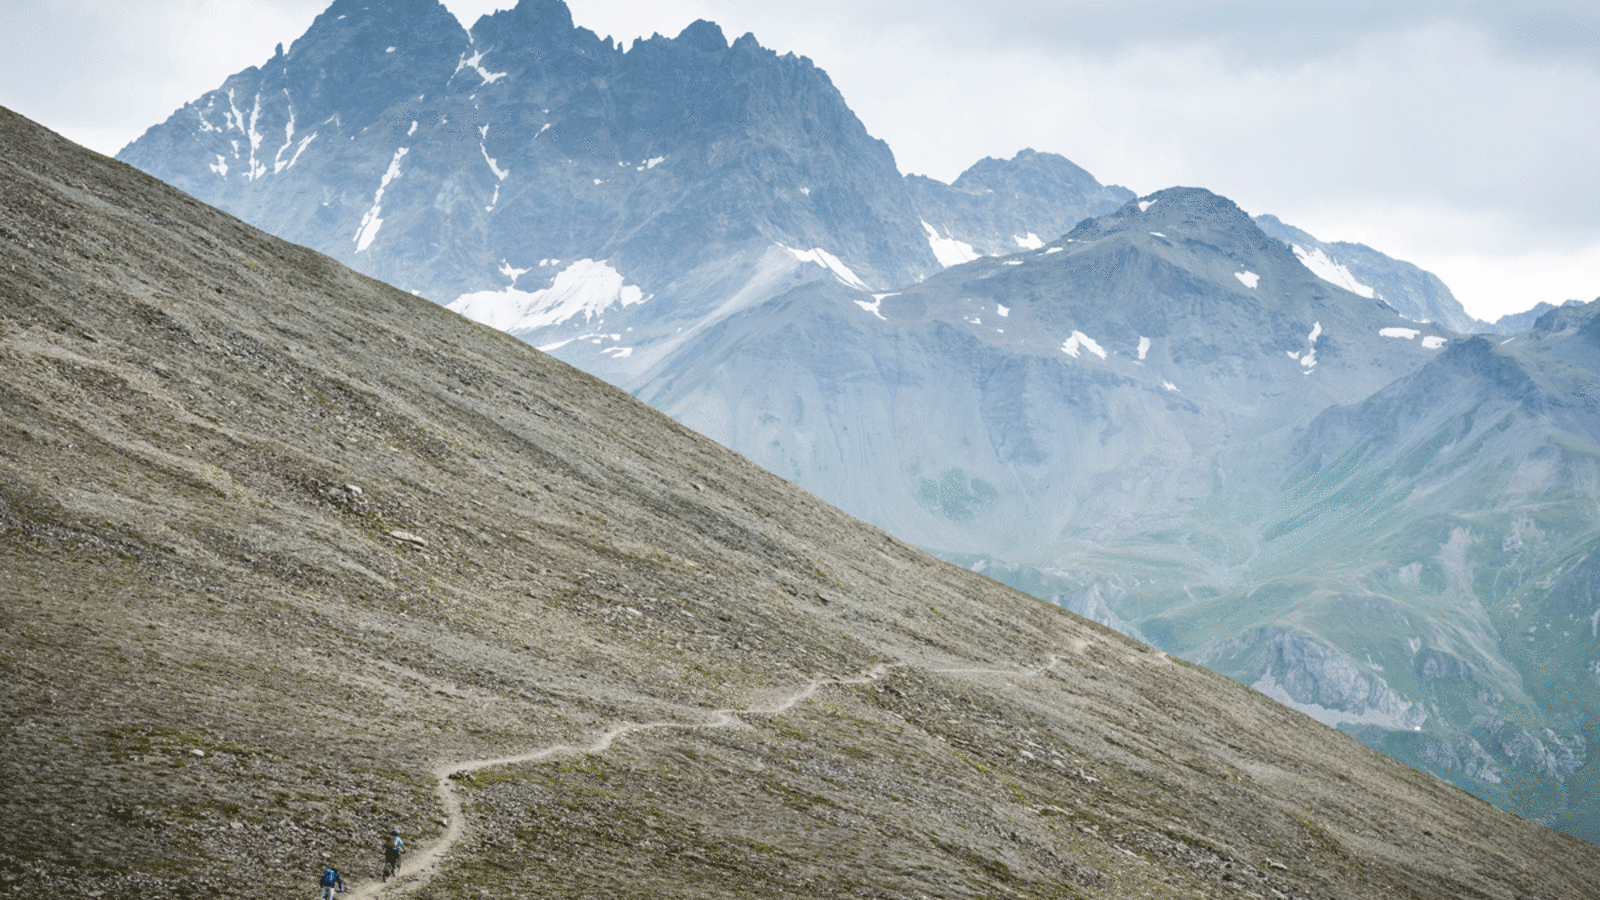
[{"x": 1463, "y": 136}]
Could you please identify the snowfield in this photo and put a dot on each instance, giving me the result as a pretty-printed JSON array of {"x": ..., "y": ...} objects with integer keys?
[{"x": 586, "y": 288}]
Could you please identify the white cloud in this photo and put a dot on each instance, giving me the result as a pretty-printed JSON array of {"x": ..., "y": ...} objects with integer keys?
[{"x": 111, "y": 69}]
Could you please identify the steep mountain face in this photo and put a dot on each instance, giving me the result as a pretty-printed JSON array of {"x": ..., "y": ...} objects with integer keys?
[
  {"x": 999, "y": 207},
  {"x": 595, "y": 201},
  {"x": 289, "y": 557},
  {"x": 529, "y": 149},
  {"x": 1417, "y": 294},
  {"x": 1085, "y": 389}
]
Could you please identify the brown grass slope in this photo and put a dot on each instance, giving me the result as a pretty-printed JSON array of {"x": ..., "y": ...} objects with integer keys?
[{"x": 280, "y": 545}]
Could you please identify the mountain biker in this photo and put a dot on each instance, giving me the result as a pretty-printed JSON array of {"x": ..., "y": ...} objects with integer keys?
[
  {"x": 331, "y": 881},
  {"x": 392, "y": 850}
]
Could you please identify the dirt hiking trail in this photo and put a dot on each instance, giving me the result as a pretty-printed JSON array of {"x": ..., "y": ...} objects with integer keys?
[{"x": 421, "y": 864}]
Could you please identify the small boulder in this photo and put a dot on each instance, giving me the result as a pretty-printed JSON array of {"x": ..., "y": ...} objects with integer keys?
[{"x": 406, "y": 537}]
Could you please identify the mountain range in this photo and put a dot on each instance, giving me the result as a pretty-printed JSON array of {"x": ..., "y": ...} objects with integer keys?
[
  {"x": 289, "y": 558},
  {"x": 1207, "y": 429}
]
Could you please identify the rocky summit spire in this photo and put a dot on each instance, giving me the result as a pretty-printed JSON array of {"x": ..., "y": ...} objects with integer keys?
[
  {"x": 537, "y": 21},
  {"x": 703, "y": 35}
]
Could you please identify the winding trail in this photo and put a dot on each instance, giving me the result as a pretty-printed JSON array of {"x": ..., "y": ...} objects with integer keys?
[{"x": 421, "y": 865}]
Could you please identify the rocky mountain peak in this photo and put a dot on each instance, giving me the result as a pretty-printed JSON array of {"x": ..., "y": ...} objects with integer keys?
[
  {"x": 362, "y": 22},
  {"x": 1204, "y": 228},
  {"x": 703, "y": 35},
  {"x": 1178, "y": 210},
  {"x": 538, "y": 20},
  {"x": 1029, "y": 171},
  {"x": 1570, "y": 316}
]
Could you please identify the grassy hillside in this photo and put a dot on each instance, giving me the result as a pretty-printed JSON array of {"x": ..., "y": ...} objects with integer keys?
[{"x": 288, "y": 557}]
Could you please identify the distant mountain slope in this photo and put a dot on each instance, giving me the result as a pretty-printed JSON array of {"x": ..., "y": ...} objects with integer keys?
[
  {"x": 1166, "y": 422},
  {"x": 284, "y": 548},
  {"x": 1084, "y": 389},
  {"x": 1516, "y": 323},
  {"x": 1417, "y": 294},
  {"x": 1421, "y": 571}
]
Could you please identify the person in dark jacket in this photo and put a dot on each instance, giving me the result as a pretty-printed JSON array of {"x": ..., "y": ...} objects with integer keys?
[{"x": 331, "y": 882}]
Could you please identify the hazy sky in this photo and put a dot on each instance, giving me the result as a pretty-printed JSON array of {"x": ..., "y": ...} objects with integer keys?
[{"x": 1462, "y": 136}]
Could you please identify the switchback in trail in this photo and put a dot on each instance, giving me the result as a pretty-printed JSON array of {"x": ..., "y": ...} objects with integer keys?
[{"x": 422, "y": 864}]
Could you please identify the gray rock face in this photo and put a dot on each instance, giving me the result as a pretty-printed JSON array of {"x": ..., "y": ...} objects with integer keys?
[
  {"x": 1417, "y": 294},
  {"x": 450, "y": 162},
  {"x": 999, "y": 207},
  {"x": 1090, "y": 602},
  {"x": 600, "y": 202},
  {"x": 1315, "y": 678},
  {"x": 1516, "y": 323}
]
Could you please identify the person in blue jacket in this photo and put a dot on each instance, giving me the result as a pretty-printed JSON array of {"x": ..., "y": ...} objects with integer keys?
[
  {"x": 393, "y": 849},
  {"x": 331, "y": 882}
]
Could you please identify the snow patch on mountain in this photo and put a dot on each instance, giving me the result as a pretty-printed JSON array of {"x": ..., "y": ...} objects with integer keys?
[
  {"x": 949, "y": 251},
  {"x": 1248, "y": 278},
  {"x": 512, "y": 272},
  {"x": 475, "y": 63},
  {"x": 872, "y": 305},
  {"x": 278, "y": 165},
  {"x": 372, "y": 221},
  {"x": 1144, "y": 205},
  {"x": 483, "y": 137},
  {"x": 1030, "y": 241},
  {"x": 1144, "y": 347},
  {"x": 1330, "y": 271},
  {"x": 1309, "y": 361},
  {"x": 304, "y": 142},
  {"x": 586, "y": 288},
  {"x": 830, "y": 262},
  {"x": 1080, "y": 342},
  {"x": 232, "y": 118},
  {"x": 1431, "y": 342}
]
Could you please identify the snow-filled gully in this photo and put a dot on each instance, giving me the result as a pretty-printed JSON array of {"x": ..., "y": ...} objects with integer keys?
[{"x": 423, "y": 864}]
